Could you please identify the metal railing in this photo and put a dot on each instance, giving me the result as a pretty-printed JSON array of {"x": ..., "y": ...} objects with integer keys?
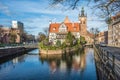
[
  {"x": 107, "y": 63},
  {"x": 28, "y": 45}
]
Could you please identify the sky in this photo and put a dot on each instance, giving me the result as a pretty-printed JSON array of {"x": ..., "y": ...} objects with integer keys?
[{"x": 36, "y": 14}]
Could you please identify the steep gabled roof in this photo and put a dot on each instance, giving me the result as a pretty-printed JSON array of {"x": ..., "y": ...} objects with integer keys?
[
  {"x": 54, "y": 26},
  {"x": 72, "y": 27}
]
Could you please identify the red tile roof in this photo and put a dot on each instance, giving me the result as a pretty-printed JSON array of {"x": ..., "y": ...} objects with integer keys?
[{"x": 72, "y": 27}]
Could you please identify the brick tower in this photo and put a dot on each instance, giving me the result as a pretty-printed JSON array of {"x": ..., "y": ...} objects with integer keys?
[{"x": 83, "y": 22}]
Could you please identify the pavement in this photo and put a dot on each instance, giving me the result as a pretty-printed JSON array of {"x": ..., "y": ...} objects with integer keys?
[{"x": 113, "y": 50}]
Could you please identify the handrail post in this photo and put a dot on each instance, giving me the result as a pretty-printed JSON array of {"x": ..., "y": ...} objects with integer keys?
[{"x": 113, "y": 63}]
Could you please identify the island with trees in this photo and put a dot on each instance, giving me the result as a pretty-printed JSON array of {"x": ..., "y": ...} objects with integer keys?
[{"x": 70, "y": 44}]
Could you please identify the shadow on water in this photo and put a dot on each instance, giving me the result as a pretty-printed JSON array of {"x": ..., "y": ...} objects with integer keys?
[
  {"x": 7, "y": 58},
  {"x": 10, "y": 57}
]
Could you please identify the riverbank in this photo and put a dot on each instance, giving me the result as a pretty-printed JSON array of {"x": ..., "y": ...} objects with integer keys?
[
  {"x": 5, "y": 52},
  {"x": 58, "y": 51}
]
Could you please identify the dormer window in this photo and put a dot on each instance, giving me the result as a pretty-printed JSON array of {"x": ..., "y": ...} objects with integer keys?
[
  {"x": 62, "y": 28},
  {"x": 74, "y": 28}
]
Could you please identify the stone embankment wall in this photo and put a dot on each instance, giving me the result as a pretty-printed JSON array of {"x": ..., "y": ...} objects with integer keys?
[
  {"x": 58, "y": 51},
  {"x": 50, "y": 51},
  {"x": 12, "y": 51}
]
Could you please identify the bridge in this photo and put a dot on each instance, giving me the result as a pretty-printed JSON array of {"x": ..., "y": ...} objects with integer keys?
[
  {"x": 32, "y": 45},
  {"x": 9, "y": 50},
  {"x": 29, "y": 45}
]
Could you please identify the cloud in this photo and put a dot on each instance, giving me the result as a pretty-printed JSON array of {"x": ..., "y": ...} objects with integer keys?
[
  {"x": 4, "y": 9},
  {"x": 36, "y": 14},
  {"x": 36, "y": 25}
]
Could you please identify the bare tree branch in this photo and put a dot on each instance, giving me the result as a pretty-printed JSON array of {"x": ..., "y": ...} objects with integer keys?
[{"x": 107, "y": 6}]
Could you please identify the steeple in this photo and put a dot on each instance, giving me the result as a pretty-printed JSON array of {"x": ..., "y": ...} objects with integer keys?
[
  {"x": 66, "y": 20},
  {"x": 82, "y": 12}
]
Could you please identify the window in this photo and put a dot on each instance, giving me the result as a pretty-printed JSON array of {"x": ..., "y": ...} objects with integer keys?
[
  {"x": 62, "y": 28},
  {"x": 54, "y": 28},
  {"x": 74, "y": 28},
  {"x": 84, "y": 22}
]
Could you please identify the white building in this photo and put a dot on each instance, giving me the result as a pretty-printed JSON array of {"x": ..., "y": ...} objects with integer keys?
[{"x": 18, "y": 25}]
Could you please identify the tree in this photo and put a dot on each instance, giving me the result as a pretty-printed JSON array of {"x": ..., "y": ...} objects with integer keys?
[
  {"x": 108, "y": 20},
  {"x": 41, "y": 37},
  {"x": 1, "y": 32},
  {"x": 24, "y": 37},
  {"x": 13, "y": 37},
  {"x": 46, "y": 30},
  {"x": 63, "y": 45},
  {"x": 107, "y": 7},
  {"x": 82, "y": 40},
  {"x": 69, "y": 39},
  {"x": 94, "y": 31},
  {"x": 58, "y": 43}
]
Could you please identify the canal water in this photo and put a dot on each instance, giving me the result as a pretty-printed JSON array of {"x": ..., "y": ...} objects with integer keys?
[{"x": 79, "y": 65}]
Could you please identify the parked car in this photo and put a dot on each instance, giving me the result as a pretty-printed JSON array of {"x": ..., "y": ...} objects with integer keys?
[{"x": 102, "y": 44}]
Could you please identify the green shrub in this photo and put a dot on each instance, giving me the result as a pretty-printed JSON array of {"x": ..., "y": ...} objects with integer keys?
[{"x": 58, "y": 43}]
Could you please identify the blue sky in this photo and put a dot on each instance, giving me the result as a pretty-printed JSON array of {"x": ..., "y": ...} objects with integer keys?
[{"x": 36, "y": 14}]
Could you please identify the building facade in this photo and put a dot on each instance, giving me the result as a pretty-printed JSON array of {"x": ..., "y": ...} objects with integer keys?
[
  {"x": 114, "y": 31},
  {"x": 58, "y": 31},
  {"x": 102, "y": 37},
  {"x": 18, "y": 25},
  {"x": 6, "y": 34}
]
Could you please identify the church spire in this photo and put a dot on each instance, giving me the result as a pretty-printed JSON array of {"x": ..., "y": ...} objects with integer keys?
[{"x": 82, "y": 12}]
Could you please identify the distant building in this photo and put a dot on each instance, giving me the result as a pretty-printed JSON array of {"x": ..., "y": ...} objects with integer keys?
[
  {"x": 6, "y": 32},
  {"x": 17, "y": 33},
  {"x": 114, "y": 31},
  {"x": 58, "y": 31},
  {"x": 4, "y": 36},
  {"x": 18, "y": 25},
  {"x": 30, "y": 38},
  {"x": 102, "y": 37}
]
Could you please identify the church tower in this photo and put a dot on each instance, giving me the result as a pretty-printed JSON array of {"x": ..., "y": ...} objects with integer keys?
[{"x": 83, "y": 22}]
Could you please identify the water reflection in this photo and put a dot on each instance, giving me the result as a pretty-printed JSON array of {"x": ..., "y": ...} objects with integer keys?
[
  {"x": 73, "y": 66},
  {"x": 75, "y": 61}
]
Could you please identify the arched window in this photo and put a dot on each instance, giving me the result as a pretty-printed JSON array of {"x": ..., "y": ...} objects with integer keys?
[{"x": 83, "y": 22}]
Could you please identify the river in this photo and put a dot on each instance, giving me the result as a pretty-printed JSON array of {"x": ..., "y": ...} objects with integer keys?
[{"x": 79, "y": 65}]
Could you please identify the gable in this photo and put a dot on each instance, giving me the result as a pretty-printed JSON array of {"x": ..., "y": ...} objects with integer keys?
[
  {"x": 73, "y": 27},
  {"x": 62, "y": 28}
]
